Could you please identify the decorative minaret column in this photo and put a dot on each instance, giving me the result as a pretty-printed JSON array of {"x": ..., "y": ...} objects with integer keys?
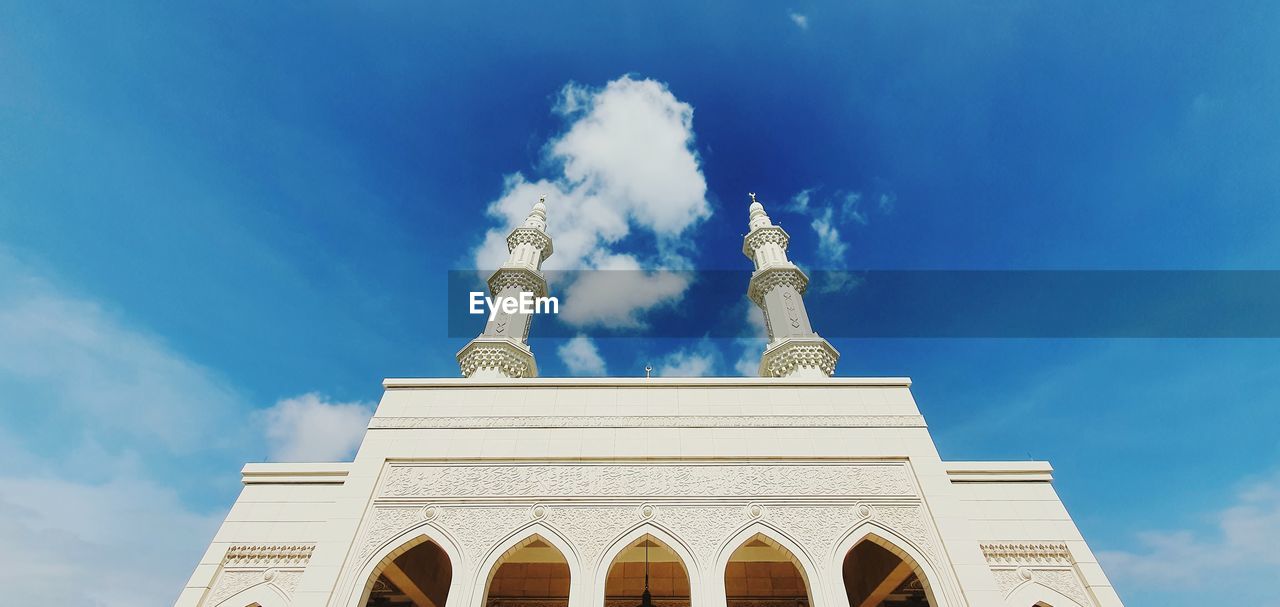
[
  {"x": 502, "y": 350},
  {"x": 777, "y": 286}
]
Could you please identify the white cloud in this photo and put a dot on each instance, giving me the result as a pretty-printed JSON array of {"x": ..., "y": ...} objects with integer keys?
[
  {"x": 1241, "y": 549},
  {"x": 801, "y": 21},
  {"x": 120, "y": 543},
  {"x": 696, "y": 361},
  {"x": 99, "y": 505},
  {"x": 850, "y": 208},
  {"x": 581, "y": 356},
  {"x": 71, "y": 359},
  {"x": 800, "y": 201},
  {"x": 82, "y": 507},
  {"x": 831, "y": 248},
  {"x": 310, "y": 428},
  {"x": 748, "y": 363},
  {"x": 625, "y": 165},
  {"x": 618, "y": 292},
  {"x": 886, "y": 203},
  {"x": 831, "y": 214}
]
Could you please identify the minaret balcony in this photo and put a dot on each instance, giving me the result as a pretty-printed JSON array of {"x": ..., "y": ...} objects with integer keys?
[
  {"x": 523, "y": 278},
  {"x": 496, "y": 357},
  {"x": 762, "y": 236},
  {"x": 769, "y": 278},
  {"x": 799, "y": 356},
  {"x": 533, "y": 237}
]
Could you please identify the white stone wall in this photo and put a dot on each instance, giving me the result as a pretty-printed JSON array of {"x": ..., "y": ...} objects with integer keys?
[{"x": 702, "y": 464}]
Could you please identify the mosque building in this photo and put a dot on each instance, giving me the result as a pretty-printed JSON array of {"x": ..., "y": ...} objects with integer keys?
[{"x": 501, "y": 488}]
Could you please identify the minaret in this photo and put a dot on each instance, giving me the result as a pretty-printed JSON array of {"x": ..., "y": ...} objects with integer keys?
[
  {"x": 502, "y": 350},
  {"x": 777, "y": 286}
]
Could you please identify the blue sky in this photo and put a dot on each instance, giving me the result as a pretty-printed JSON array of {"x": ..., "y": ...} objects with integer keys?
[{"x": 220, "y": 227}]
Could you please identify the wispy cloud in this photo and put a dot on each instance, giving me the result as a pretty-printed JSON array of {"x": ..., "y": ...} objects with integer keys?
[
  {"x": 126, "y": 541},
  {"x": 831, "y": 248},
  {"x": 831, "y": 214},
  {"x": 84, "y": 505},
  {"x": 581, "y": 356},
  {"x": 71, "y": 359},
  {"x": 851, "y": 207},
  {"x": 801, "y": 21},
  {"x": 698, "y": 360},
  {"x": 1240, "y": 549},
  {"x": 113, "y": 423},
  {"x": 886, "y": 203}
]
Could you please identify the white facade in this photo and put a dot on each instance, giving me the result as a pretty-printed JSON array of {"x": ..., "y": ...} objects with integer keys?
[
  {"x": 793, "y": 489},
  {"x": 808, "y": 467}
]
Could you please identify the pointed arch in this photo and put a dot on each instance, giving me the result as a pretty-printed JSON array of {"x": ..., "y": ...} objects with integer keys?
[
  {"x": 770, "y": 536},
  {"x": 536, "y": 535},
  {"x": 681, "y": 552},
  {"x": 410, "y": 539},
  {"x": 265, "y": 594},
  {"x": 900, "y": 547},
  {"x": 1034, "y": 594}
]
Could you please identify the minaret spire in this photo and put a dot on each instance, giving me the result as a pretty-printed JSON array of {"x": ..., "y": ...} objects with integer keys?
[
  {"x": 777, "y": 287},
  {"x": 502, "y": 350}
]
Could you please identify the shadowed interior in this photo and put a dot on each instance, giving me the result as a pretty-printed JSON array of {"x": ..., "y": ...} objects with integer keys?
[
  {"x": 418, "y": 578},
  {"x": 876, "y": 577},
  {"x": 760, "y": 573},
  {"x": 668, "y": 579}
]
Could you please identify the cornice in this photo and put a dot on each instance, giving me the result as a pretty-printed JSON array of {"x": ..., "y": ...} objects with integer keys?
[{"x": 402, "y": 383}]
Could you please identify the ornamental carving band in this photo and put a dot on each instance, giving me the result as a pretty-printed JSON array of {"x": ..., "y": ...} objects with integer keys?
[
  {"x": 653, "y": 421},
  {"x": 764, "y": 236},
  {"x": 267, "y": 555},
  {"x": 635, "y": 480},
  {"x": 530, "y": 236},
  {"x": 520, "y": 278},
  {"x": 1027, "y": 554},
  {"x": 771, "y": 278},
  {"x": 501, "y": 356},
  {"x": 785, "y": 359}
]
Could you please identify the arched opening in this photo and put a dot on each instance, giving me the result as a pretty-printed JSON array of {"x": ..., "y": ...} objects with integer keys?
[
  {"x": 761, "y": 573},
  {"x": 534, "y": 573},
  {"x": 419, "y": 577},
  {"x": 875, "y": 576},
  {"x": 668, "y": 578}
]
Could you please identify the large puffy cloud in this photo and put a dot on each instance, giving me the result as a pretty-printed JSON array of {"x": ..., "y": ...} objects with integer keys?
[
  {"x": 311, "y": 428},
  {"x": 624, "y": 165},
  {"x": 619, "y": 291}
]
